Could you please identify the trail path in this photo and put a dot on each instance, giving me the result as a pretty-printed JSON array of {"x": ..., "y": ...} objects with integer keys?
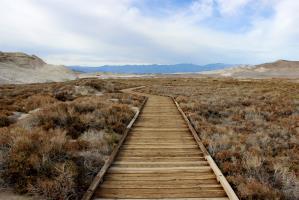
[{"x": 160, "y": 159}]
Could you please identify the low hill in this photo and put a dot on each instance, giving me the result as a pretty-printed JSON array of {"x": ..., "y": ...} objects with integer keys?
[
  {"x": 22, "y": 68},
  {"x": 278, "y": 69}
]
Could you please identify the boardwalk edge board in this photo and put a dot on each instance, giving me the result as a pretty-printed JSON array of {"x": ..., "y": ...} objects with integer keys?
[
  {"x": 99, "y": 177},
  {"x": 220, "y": 177}
]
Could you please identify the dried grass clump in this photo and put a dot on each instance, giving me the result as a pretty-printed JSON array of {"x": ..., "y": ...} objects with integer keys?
[
  {"x": 38, "y": 101},
  {"x": 35, "y": 159},
  {"x": 254, "y": 189}
]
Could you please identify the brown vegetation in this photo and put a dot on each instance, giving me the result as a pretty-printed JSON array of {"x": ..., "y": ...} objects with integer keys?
[
  {"x": 56, "y": 150},
  {"x": 251, "y": 128}
]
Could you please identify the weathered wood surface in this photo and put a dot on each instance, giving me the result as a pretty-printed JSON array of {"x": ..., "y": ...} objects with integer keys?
[{"x": 161, "y": 159}]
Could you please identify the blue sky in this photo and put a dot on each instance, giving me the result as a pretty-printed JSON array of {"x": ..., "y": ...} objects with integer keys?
[{"x": 98, "y": 32}]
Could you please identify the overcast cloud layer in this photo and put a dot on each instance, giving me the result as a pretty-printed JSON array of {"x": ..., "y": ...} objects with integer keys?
[{"x": 97, "y": 32}]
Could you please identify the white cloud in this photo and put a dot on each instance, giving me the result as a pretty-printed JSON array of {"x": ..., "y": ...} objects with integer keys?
[
  {"x": 231, "y": 7},
  {"x": 25, "y": 23},
  {"x": 278, "y": 36},
  {"x": 116, "y": 31},
  {"x": 199, "y": 10}
]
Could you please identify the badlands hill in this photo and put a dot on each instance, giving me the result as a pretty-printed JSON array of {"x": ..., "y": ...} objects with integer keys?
[
  {"x": 278, "y": 69},
  {"x": 22, "y": 68}
]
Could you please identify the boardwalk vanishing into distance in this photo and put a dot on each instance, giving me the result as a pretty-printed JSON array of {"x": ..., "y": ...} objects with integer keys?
[{"x": 161, "y": 159}]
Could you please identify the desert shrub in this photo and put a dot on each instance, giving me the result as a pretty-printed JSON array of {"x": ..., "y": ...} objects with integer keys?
[
  {"x": 60, "y": 187},
  {"x": 63, "y": 96},
  {"x": 100, "y": 85},
  {"x": 95, "y": 84},
  {"x": 57, "y": 116},
  {"x": 127, "y": 98},
  {"x": 4, "y": 121},
  {"x": 254, "y": 189},
  {"x": 32, "y": 156},
  {"x": 38, "y": 101},
  {"x": 118, "y": 116}
]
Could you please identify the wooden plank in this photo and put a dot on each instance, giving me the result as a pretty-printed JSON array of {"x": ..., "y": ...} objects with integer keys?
[
  {"x": 149, "y": 185},
  {"x": 157, "y": 158},
  {"x": 158, "y": 112},
  {"x": 169, "y": 135},
  {"x": 159, "y": 163},
  {"x": 158, "y": 170},
  {"x": 159, "y": 154},
  {"x": 159, "y": 193},
  {"x": 154, "y": 130},
  {"x": 183, "y": 127},
  {"x": 138, "y": 131},
  {"x": 164, "y": 151},
  {"x": 175, "y": 138},
  {"x": 161, "y": 129},
  {"x": 164, "y": 164},
  {"x": 158, "y": 121},
  {"x": 217, "y": 198},
  {"x": 164, "y": 124},
  {"x": 159, "y": 142},
  {"x": 150, "y": 147},
  {"x": 169, "y": 154},
  {"x": 164, "y": 136},
  {"x": 161, "y": 176},
  {"x": 161, "y": 157},
  {"x": 190, "y": 182},
  {"x": 162, "y": 115}
]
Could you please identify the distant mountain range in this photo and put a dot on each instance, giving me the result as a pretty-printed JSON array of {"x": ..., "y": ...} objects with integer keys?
[{"x": 152, "y": 69}]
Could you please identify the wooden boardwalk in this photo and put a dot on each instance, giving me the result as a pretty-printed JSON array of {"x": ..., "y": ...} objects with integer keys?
[{"x": 160, "y": 159}]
